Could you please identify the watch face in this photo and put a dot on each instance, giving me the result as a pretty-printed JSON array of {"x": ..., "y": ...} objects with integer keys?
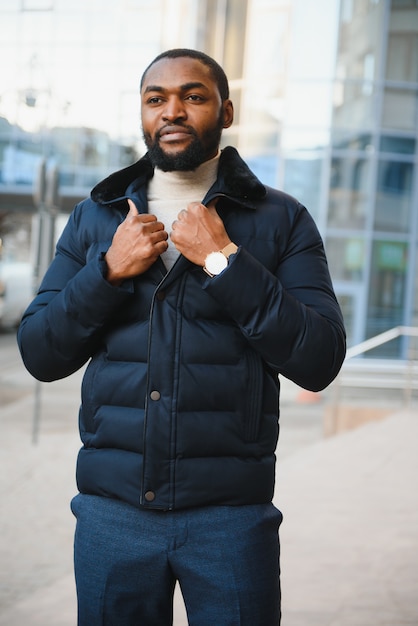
[{"x": 216, "y": 262}]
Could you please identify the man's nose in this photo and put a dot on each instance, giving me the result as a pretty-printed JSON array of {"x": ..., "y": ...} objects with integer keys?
[{"x": 174, "y": 110}]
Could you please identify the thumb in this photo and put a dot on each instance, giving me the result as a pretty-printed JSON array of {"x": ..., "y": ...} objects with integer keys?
[{"x": 132, "y": 209}]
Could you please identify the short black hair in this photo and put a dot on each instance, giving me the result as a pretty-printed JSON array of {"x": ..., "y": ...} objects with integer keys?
[{"x": 217, "y": 72}]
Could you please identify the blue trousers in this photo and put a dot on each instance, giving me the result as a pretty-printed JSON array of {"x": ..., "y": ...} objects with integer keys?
[{"x": 127, "y": 561}]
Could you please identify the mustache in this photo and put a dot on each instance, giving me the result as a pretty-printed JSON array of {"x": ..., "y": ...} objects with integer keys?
[{"x": 173, "y": 127}]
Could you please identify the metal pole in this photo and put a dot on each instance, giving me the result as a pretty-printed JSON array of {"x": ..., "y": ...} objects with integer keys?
[{"x": 46, "y": 197}]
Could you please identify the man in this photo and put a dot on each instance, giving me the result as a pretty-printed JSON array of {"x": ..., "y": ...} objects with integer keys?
[{"x": 187, "y": 312}]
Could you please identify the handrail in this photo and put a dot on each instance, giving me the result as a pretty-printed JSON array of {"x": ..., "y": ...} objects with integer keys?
[
  {"x": 379, "y": 340},
  {"x": 367, "y": 345}
]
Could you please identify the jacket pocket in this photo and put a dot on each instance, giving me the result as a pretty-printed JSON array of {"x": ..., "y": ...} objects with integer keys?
[{"x": 253, "y": 396}]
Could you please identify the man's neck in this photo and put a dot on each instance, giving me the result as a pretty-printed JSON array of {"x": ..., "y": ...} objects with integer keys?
[{"x": 180, "y": 183}]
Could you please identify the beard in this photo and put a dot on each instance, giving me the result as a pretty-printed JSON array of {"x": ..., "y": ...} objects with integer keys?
[{"x": 197, "y": 152}]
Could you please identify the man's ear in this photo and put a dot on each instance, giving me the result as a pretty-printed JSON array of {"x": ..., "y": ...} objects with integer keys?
[{"x": 228, "y": 113}]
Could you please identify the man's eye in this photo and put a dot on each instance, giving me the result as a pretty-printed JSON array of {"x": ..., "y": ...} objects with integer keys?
[
  {"x": 194, "y": 97},
  {"x": 154, "y": 100}
]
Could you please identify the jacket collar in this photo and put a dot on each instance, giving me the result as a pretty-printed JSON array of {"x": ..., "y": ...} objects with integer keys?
[{"x": 235, "y": 180}]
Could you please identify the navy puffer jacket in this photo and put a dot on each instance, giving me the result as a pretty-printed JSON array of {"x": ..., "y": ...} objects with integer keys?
[{"x": 180, "y": 397}]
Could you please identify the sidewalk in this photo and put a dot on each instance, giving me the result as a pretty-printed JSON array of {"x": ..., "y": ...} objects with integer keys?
[{"x": 349, "y": 536}]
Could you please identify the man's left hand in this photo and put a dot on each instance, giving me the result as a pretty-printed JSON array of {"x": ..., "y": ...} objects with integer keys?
[{"x": 198, "y": 231}]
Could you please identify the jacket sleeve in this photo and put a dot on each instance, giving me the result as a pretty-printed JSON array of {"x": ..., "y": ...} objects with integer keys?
[
  {"x": 63, "y": 324},
  {"x": 290, "y": 317}
]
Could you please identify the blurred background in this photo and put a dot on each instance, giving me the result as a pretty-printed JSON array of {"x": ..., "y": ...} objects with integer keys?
[
  {"x": 326, "y": 108},
  {"x": 326, "y": 100}
]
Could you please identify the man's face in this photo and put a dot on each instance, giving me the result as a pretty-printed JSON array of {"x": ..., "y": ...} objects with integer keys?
[{"x": 182, "y": 114}]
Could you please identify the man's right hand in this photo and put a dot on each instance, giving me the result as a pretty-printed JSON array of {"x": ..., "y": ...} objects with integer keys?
[{"x": 136, "y": 245}]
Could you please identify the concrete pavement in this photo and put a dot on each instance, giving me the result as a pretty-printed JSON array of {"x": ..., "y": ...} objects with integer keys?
[
  {"x": 350, "y": 539},
  {"x": 350, "y": 503}
]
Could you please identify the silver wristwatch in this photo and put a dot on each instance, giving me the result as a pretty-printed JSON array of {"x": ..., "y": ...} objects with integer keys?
[{"x": 216, "y": 262}]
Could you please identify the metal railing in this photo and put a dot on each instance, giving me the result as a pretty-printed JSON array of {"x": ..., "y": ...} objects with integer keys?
[
  {"x": 404, "y": 374},
  {"x": 379, "y": 340}
]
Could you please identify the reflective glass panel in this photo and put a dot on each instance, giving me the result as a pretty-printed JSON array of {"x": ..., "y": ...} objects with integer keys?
[
  {"x": 355, "y": 140},
  {"x": 387, "y": 291},
  {"x": 354, "y": 105},
  {"x": 400, "y": 145},
  {"x": 393, "y": 196},
  {"x": 346, "y": 258},
  {"x": 415, "y": 306},
  {"x": 402, "y": 55},
  {"x": 400, "y": 109},
  {"x": 349, "y": 192},
  {"x": 302, "y": 179}
]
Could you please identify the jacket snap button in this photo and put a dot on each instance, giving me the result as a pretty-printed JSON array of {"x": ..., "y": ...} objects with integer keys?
[
  {"x": 155, "y": 395},
  {"x": 160, "y": 296},
  {"x": 150, "y": 496}
]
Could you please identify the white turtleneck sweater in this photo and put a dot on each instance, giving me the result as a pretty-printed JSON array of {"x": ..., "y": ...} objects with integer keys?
[{"x": 170, "y": 192}]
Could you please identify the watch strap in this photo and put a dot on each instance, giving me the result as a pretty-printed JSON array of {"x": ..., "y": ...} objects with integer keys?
[{"x": 231, "y": 248}]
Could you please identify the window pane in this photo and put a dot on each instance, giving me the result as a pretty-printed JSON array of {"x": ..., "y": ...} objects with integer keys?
[
  {"x": 346, "y": 258},
  {"x": 265, "y": 167},
  {"x": 352, "y": 141},
  {"x": 402, "y": 59},
  {"x": 387, "y": 292},
  {"x": 393, "y": 196},
  {"x": 355, "y": 104},
  {"x": 349, "y": 193},
  {"x": 415, "y": 307},
  {"x": 403, "y": 4},
  {"x": 302, "y": 179},
  {"x": 399, "y": 145},
  {"x": 400, "y": 109},
  {"x": 235, "y": 20}
]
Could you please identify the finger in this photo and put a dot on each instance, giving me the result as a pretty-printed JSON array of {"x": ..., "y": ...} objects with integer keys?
[
  {"x": 159, "y": 235},
  {"x": 132, "y": 209},
  {"x": 145, "y": 218},
  {"x": 182, "y": 215},
  {"x": 194, "y": 206},
  {"x": 152, "y": 225}
]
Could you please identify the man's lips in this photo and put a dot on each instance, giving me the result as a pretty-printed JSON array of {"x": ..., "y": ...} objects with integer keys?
[{"x": 173, "y": 133}]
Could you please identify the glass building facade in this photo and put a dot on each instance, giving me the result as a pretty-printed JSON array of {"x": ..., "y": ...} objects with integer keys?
[
  {"x": 326, "y": 108},
  {"x": 372, "y": 202}
]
